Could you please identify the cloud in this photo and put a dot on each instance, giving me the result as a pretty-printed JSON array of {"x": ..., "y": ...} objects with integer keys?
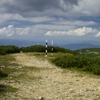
[
  {"x": 11, "y": 31},
  {"x": 87, "y": 8},
  {"x": 98, "y": 34},
  {"x": 74, "y": 23},
  {"x": 8, "y": 31},
  {"x": 22, "y": 6},
  {"x": 6, "y": 17},
  {"x": 76, "y": 32},
  {"x": 30, "y": 8},
  {"x": 82, "y": 31},
  {"x": 39, "y": 30}
]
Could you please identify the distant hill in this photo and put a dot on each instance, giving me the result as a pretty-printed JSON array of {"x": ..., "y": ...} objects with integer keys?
[
  {"x": 25, "y": 43},
  {"x": 89, "y": 50},
  {"x": 80, "y": 46},
  {"x": 20, "y": 43}
]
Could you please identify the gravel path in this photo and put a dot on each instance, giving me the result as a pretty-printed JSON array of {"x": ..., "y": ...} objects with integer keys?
[{"x": 52, "y": 83}]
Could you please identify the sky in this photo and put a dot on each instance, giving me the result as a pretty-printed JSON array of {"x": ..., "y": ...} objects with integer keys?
[{"x": 64, "y": 21}]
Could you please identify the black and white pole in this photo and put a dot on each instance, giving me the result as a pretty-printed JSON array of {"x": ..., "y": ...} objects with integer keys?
[
  {"x": 46, "y": 50},
  {"x": 52, "y": 47}
]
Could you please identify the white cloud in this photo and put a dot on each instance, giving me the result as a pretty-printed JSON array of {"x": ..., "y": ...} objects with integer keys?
[
  {"x": 76, "y": 32},
  {"x": 11, "y": 30},
  {"x": 23, "y": 31},
  {"x": 8, "y": 31},
  {"x": 41, "y": 29},
  {"x": 82, "y": 31},
  {"x": 98, "y": 34}
]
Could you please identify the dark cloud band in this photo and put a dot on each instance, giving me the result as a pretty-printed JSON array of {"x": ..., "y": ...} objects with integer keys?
[{"x": 24, "y": 6}]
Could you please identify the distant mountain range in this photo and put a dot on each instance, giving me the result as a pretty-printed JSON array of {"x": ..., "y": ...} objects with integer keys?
[
  {"x": 23, "y": 43},
  {"x": 20, "y": 43},
  {"x": 76, "y": 46}
]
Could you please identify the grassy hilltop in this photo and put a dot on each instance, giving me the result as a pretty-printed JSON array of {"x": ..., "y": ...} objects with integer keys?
[{"x": 85, "y": 60}]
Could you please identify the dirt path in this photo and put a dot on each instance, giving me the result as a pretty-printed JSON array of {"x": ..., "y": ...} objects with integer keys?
[{"x": 42, "y": 79}]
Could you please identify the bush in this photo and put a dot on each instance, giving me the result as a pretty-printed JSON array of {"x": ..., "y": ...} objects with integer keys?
[
  {"x": 2, "y": 52},
  {"x": 41, "y": 48},
  {"x": 82, "y": 62},
  {"x": 96, "y": 70},
  {"x": 73, "y": 61},
  {"x": 8, "y": 49}
]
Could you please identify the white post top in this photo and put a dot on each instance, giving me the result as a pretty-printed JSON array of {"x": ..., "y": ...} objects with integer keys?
[
  {"x": 52, "y": 42},
  {"x": 46, "y": 41}
]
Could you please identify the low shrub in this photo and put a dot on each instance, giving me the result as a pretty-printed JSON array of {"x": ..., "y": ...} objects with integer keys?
[
  {"x": 8, "y": 49},
  {"x": 78, "y": 61},
  {"x": 96, "y": 70}
]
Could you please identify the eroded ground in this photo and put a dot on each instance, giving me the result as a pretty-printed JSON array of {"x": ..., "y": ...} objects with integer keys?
[{"x": 39, "y": 78}]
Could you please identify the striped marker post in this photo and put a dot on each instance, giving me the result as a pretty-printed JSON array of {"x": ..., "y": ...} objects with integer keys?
[
  {"x": 52, "y": 47},
  {"x": 46, "y": 51}
]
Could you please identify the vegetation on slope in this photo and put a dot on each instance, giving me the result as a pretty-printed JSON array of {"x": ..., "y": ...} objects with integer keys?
[
  {"x": 91, "y": 52},
  {"x": 40, "y": 48},
  {"x": 79, "y": 61},
  {"x": 8, "y": 49},
  {"x": 36, "y": 48},
  {"x": 86, "y": 59},
  {"x": 4, "y": 72}
]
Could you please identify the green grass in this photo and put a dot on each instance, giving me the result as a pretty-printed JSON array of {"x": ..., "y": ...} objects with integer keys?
[
  {"x": 4, "y": 63},
  {"x": 6, "y": 68},
  {"x": 3, "y": 74},
  {"x": 84, "y": 63},
  {"x": 5, "y": 60},
  {"x": 6, "y": 88}
]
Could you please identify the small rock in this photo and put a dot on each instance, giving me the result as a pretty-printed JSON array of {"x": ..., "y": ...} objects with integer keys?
[
  {"x": 39, "y": 98},
  {"x": 99, "y": 88}
]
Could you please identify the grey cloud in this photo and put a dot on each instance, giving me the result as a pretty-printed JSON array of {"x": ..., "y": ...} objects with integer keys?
[
  {"x": 65, "y": 8},
  {"x": 25, "y": 6},
  {"x": 71, "y": 1}
]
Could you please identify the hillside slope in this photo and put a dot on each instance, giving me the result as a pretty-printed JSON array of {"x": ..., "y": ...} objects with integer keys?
[{"x": 39, "y": 78}]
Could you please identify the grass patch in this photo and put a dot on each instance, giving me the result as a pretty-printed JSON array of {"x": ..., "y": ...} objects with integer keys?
[
  {"x": 5, "y": 60},
  {"x": 6, "y": 68},
  {"x": 4, "y": 63},
  {"x": 24, "y": 74},
  {"x": 3, "y": 74},
  {"x": 6, "y": 88}
]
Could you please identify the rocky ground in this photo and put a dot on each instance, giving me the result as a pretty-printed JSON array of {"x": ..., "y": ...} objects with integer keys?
[{"x": 38, "y": 79}]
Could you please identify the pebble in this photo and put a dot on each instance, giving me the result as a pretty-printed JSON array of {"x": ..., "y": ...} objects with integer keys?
[{"x": 39, "y": 98}]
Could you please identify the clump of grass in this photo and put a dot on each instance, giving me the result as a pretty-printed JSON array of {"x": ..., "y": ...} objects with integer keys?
[
  {"x": 6, "y": 88},
  {"x": 3, "y": 74}
]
